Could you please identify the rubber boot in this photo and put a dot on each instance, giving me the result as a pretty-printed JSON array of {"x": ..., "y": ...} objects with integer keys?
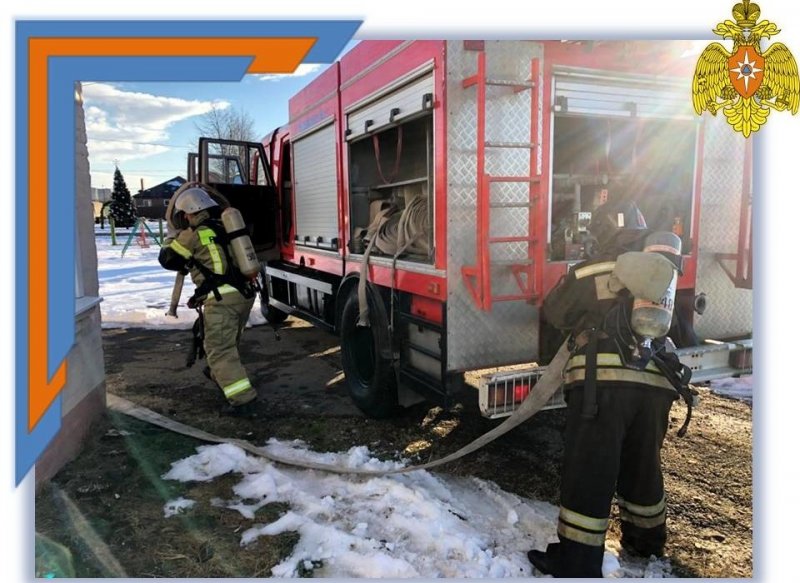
[
  {"x": 644, "y": 542},
  {"x": 543, "y": 563},
  {"x": 568, "y": 559}
]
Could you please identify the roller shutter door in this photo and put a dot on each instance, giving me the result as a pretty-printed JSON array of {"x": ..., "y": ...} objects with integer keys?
[
  {"x": 316, "y": 215},
  {"x": 403, "y": 103},
  {"x": 619, "y": 95}
]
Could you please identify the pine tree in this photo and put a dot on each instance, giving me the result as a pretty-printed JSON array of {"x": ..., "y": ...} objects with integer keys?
[{"x": 122, "y": 207}]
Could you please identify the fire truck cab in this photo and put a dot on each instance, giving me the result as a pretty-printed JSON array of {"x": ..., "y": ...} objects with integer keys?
[{"x": 482, "y": 162}]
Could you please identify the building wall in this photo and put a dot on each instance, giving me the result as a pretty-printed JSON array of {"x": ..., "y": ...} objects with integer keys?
[
  {"x": 151, "y": 208},
  {"x": 101, "y": 194},
  {"x": 83, "y": 397}
]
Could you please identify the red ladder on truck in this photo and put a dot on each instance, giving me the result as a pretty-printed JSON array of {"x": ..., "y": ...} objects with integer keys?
[{"x": 478, "y": 278}]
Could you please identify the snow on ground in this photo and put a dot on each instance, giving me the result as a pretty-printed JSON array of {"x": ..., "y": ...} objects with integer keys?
[
  {"x": 736, "y": 388},
  {"x": 177, "y": 506},
  {"x": 416, "y": 525},
  {"x": 420, "y": 524},
  {"x": 136, "y": 290}
]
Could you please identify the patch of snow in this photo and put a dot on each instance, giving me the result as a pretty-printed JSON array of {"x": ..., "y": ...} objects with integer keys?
[
  {"x": 177, "y": 506},
  {"x": 736, "y": 388},
  {"x": 411, "y": 525}
]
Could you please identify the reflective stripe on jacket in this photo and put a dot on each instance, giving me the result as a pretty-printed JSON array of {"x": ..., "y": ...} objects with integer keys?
[
  {"x": 200, "y": 245},
  {"x": 583, "y": 301},
  {"x": 611, "y": 370}
]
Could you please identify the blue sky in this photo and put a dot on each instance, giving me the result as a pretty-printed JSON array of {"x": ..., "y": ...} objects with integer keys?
[{"x": 148, "y": 128}]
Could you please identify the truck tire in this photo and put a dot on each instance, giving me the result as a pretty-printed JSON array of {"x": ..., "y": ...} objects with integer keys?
[{"x": 368, "y": 373}]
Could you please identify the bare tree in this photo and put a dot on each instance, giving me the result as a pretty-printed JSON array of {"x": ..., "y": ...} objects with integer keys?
[{"x": 223, "y": 123}]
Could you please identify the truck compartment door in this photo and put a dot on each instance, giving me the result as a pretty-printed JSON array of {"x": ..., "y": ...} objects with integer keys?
[
  {"x": 315, "y": 189},
  {"x": 397, "y": 105}
]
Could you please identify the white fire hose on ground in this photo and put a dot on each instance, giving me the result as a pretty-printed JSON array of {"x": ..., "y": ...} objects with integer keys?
[{"x": 540, "y": 394}]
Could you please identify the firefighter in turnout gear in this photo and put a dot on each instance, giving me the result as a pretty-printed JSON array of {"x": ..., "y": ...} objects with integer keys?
[
  {"x": 617, "y": 409},
  {"x": 222, "y": 296}
]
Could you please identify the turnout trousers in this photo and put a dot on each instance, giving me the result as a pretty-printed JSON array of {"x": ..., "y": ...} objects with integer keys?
[
  {"x": 225, "y": 321},
  {"x": 619, "y": 450}
]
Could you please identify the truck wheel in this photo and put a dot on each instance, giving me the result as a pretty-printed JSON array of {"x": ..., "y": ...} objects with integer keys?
[{"x": 368, "y": 373}]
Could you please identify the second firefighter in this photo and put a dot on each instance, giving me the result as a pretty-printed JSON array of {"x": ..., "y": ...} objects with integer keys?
[{"x": 618, "y": 402}]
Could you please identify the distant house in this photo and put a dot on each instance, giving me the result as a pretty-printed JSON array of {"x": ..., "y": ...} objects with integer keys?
[
  {"x": 101, "y": 194},
  {"x": 151, "y": 203},
  {"x": 97, "y": 208}
]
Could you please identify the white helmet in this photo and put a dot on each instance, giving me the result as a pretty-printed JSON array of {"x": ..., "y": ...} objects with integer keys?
[{"x": 194, "y": 200}]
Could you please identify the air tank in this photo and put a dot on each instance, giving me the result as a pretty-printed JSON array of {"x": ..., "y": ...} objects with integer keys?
[
  {"x": 241, "y": 247},
  {"x": 652, "y": 320}
]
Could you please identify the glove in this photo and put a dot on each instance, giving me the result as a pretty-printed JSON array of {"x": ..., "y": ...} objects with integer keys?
[
  {"x": 192, "y": 303},
  {"x": 645, "y": 275}
]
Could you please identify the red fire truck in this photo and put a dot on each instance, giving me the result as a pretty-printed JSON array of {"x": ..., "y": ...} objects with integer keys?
[{"x": 502, "y": 149}]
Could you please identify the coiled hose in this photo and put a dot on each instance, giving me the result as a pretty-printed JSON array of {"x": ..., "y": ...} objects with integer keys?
[{"x": 394, "y": 233}]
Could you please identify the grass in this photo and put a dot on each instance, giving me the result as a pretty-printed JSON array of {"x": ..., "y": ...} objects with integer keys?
[{"x": 102, "y": 515}]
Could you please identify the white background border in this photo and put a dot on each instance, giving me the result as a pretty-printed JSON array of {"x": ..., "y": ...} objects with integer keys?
[{"x": 776, "y": 202}]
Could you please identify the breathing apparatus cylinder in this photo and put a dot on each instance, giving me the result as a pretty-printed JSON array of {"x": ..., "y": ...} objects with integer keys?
[
  {"x": 651, "y": 320},
  {"x": 241, "y": 246}
]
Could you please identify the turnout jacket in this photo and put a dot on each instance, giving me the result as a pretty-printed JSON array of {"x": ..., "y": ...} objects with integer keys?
[
  {"x": 583, "y": 305},
  {"x": 199, "y": 251}
]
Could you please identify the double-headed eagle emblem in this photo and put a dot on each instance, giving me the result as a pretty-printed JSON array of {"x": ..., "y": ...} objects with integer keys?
[{"x": 746, "y": 83}]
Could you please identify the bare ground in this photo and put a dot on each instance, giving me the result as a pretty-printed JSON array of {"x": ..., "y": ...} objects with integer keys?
[{"x": 102, "y": 515}]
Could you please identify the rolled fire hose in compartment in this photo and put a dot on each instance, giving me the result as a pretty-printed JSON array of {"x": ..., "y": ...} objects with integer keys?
[{"x": 394, "y": 233}]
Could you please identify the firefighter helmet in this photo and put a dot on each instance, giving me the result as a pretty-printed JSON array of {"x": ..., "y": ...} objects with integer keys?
[
  {"x": 617, "y": 223},
  {"x": 194, "y": 200}
]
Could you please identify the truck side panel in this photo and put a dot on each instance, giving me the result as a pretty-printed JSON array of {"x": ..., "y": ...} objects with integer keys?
[
  {"x": 509, "y": 332},
  {"x": 730, "y": 310}
]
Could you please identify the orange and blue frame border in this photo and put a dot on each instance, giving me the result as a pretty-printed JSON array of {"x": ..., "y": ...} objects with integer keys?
[{"x": 50, "y": 57}]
